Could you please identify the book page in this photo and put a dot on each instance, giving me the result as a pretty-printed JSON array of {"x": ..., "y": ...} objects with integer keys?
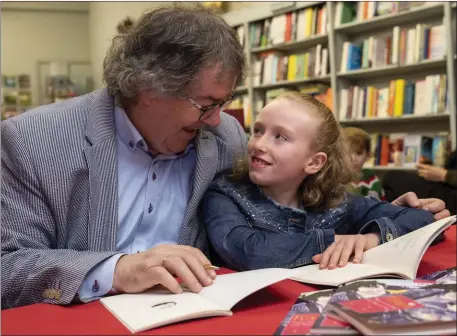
[
  {"x": 155, "y": 308},
  {"x": 228, "y": 289},
  {"x": 313, "y": 275},
  {"x": 403, "y": 255}
]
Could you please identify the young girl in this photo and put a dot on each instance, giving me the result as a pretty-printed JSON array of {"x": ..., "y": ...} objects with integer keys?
[{"x": 286, "y": 204}]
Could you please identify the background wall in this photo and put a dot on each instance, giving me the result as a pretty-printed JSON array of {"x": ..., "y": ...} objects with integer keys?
[
  {"x": 32, "y": 32},
  {"x": 71, "y": 31},
  {"x": 104, "y": 17}
]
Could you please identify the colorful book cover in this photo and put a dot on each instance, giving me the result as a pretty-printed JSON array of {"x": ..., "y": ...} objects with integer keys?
[
  {"x": 447, "y": 276},
  {"x": 360, "y": 290},
  {"x": 304, "y": 313},
  {"x": 418, "y": 310}
]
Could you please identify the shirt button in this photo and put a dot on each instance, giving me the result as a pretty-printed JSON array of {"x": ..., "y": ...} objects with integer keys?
[
  {"x": 150, "y": 208},
  {"x": 389, "y": 236},
  {"x": 131, "y": 144},
  {"x": 154, "y": 176}
]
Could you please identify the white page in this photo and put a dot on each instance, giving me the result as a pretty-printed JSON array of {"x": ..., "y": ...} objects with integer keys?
[
  {"x": 228, "y": 289},
  {"x": 139, "y": 312},
  {"x": 313, "y": 275},
  {"x": 405, "y": 253}
]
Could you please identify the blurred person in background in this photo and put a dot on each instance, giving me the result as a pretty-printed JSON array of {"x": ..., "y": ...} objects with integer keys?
[
  {"x": 365, "y": 182},
  {"x": 430, "y": 181}
]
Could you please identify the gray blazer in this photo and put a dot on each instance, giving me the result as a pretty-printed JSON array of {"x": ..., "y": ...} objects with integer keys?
[{"x": 60, "y": 194}]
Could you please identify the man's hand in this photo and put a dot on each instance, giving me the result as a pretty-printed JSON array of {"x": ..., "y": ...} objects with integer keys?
[
  {"x": 344, "y": 247},
  {"x": 138, "y": 272},
  {"x": 434, "y": 205},
  {"x": 431, "y": 173}
]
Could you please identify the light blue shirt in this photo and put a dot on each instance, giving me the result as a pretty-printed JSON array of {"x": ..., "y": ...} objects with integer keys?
[{"x": 153, "y": 196}]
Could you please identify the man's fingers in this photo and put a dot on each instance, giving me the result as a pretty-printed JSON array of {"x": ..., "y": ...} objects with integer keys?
[
  {"x": 203, "y": 260},
  {"x": 185, "y": 250},
  {"x": 432, "y": 204},
  {"x": 159, "y": 275},
  {"x": 196, "y": 266},
  {"x": 441, "y": 215},
  {"x": 409, "y": 199},
  {"x": 177, "y": 266}
]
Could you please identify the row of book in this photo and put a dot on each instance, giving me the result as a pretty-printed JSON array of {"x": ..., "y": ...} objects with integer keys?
[
  {"x": 321, "y": 92},
  {"x": 404, "y": 46},
  {"x": 359, "y": 11},
  {"x": 401, "y": 97},
  {"x": 292, "y": 26},
  {"x": 377, "y": 307},
  {"x": 273, "y": 67},
  {"x": 406, "y": 150}
]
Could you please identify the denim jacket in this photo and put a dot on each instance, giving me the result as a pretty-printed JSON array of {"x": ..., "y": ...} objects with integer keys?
[{"x": 249, "y": 230}]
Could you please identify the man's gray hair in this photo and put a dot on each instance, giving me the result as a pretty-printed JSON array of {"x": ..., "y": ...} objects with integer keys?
[{"x": 166, "y": 48}]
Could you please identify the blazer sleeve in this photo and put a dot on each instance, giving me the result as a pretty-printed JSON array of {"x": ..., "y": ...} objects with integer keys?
[{"x": 31, "y": 264}]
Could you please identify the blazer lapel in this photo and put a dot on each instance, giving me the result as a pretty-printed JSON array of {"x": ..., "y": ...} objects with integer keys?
[
  {"x": 101, "y": 157},
  {"x": 205, "y": 170}
]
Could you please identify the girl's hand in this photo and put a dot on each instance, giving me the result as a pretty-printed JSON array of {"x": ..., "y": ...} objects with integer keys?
[{"x": 344, "y": 247}]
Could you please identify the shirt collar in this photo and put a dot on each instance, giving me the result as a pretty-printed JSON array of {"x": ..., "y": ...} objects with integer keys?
[
  {"x": 133, "y": 139},
  {"x": 128, "y": 133}
]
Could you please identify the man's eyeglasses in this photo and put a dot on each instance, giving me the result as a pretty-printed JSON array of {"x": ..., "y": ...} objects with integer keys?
[{"x": 207, "y": 111}]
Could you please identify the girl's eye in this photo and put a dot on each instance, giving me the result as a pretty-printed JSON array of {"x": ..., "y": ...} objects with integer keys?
[
  {"x": 280, "y": 137},
  {"x": 256, "y": 131}
]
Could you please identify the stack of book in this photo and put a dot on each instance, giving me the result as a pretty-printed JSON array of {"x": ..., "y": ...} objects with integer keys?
[{"x": 425, "y": 305}]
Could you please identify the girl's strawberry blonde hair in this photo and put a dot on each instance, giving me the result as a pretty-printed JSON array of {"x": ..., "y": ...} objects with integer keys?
[{"x": 326, "y": 188}]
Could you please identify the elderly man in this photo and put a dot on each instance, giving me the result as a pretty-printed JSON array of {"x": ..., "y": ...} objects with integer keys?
[{"x": 100, "y": 193}]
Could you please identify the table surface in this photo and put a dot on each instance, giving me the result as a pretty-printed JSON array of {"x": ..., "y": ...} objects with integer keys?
[{"x": 258, "y": 314}]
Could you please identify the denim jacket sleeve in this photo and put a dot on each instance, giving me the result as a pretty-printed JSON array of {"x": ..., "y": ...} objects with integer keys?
[
  {"x": 368, "y": 214},
  {"x": 245, "y": 247}
]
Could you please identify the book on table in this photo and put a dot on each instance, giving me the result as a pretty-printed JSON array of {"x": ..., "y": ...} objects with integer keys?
[
  {"x": 156, "y": 307},
  {"x": 314, "y": 314},
  {"x": 424, "y": 310},
  {"x": 407, "y": 251}
]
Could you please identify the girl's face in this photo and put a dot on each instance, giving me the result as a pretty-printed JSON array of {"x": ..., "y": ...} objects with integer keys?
[{"x": 280, "y": 149}]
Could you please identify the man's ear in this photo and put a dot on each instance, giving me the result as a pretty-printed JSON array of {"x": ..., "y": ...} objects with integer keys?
[
  {"x": 145, "y": 98},
  {"x": 315, "y": 163}
]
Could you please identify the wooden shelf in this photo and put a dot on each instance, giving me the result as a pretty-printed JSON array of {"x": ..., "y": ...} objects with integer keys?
[
  {"x": 390, "y": 20},
  {"x": 295, "y": 45},
  {"x": 403, "y": 119},
  {"x": 394, "y": 70},
  {"x": 324, "y": 79},
  {"x": 390, "y": 168},
  {"x": 241, "y": 89}
]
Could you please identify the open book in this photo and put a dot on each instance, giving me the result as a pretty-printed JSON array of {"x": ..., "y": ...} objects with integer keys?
[
  {"x": 397, "y": 258},
  {"x": 155, "y": 308}
]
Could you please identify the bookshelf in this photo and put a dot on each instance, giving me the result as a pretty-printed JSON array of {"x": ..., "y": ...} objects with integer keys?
[
  {"x": 429, "y": 14},
  {"x": 16, "y": 95}
]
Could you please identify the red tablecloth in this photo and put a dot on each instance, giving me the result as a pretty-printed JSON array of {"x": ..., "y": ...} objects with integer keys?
[{"x": 258, "y": 314}]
